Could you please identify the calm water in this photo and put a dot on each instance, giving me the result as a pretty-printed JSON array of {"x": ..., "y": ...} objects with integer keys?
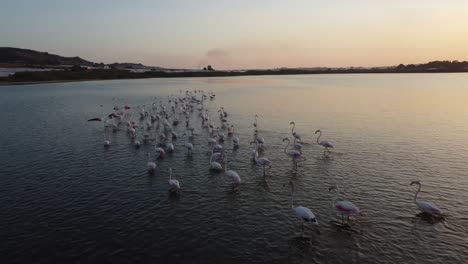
[{"x": 66, "y": 199}]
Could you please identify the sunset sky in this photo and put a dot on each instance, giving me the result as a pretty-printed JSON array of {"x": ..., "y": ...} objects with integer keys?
[{"x": 241, "y": 34}]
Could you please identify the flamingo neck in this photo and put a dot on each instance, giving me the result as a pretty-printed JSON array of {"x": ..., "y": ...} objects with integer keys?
[
  {"x": 335, "y": 198},
  {"x": 417, "y": 192},
  {"x": 289, "y": 142},
  {"x": 318, "y": 138},
  {"x": 292, "y": 129},
  {"x": 291, "y": 198}
]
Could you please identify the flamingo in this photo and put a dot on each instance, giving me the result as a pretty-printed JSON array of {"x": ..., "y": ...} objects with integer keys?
[
  {"x": 170, "y": 148},
  {"x": 214, "y": 165},
  {"x": 162, "y": 152},
  {"x": 236, "y": 142},
  {"x": 151, "y": 164},
  {"x": 262, "y": 161},
  {"x": 255, "y": 124},
  {"x": 297, "y": 145},
  {"x": 233, "y": 175},
  {"x": 189, "y": 147},
  {"x": 137, "y": 144},
  {"x": 230, "y": 130},
  {"x": 344, "y": 207},
  {"x": 106, "y": 141},
  {"x": 294, "y": 154},
  {"x": 327, "y": 145},
  {"x": 303, "y": 213},
  {"x": 221, "y": 137},
  {"x": 260, "y": 141},
  {"x": 212, "y": 141},
  {"x": 424, "y": 206},
  {"x": 217, "y": 148},
  {"x": 295, "y": 135},
  {"x": 174, "y": 185}
]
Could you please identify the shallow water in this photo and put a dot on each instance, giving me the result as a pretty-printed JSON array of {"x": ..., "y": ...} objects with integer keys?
[{"x": 65, "y": 198}]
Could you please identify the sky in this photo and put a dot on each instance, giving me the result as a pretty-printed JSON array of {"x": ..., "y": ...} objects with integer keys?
[{"x": 240, "y": 34}]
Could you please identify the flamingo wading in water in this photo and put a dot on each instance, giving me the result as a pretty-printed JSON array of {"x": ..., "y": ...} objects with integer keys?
[
  {"x": 262, "y": 161},
  {"x": 236, "y": 180},
  {"x": 151, "y": 165},
  {"x": 303, "y": 213},
  {"x": 424, "y": 206},
  {"x": 174, "y": 185},
  {"x": 295, "y": 135},
  {"x": 327, "y": 145},
  {"x": 294, "y": 154},
  {"x": 344, "y": 207}
]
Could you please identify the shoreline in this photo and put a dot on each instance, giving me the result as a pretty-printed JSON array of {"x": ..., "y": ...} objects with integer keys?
[{"x": 168, "y": 75}]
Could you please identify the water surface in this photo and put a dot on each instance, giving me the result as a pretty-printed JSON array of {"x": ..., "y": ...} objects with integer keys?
[{"x": 67, "y": 199}]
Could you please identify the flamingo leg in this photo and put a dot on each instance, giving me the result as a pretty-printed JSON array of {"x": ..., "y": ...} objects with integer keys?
[{"x": 302, "y": 234}]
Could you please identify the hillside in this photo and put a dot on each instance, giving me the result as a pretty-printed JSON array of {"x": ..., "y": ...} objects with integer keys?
[{"x": 18, "y": 56}]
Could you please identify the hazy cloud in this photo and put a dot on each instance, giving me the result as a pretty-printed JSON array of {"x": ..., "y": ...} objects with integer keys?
[{"x": 216, "y": 53}]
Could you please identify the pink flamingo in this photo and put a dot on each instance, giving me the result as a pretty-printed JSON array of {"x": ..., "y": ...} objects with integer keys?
[
  {"x": 296, "y": 155},
  {"x": 346, "y": 208}
]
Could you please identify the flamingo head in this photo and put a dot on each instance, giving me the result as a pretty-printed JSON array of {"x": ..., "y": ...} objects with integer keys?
[
  {"x": 317, "y": 131},
  {"x": 332, "y": 188},
  {"x": 292, "y": 123},
  {"x": 415, "y": 182},
  {"x": 285, "y": 139}
]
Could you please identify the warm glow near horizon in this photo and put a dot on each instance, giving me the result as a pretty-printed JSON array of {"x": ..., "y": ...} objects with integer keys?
[{"x": 241, "y": 34}]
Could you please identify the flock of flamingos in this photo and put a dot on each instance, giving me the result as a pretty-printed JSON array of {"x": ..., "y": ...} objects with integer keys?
[{"x": 162, "y": 118}]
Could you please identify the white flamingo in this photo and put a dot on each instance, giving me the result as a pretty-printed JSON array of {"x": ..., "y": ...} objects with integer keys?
[
  {"x": 174, "y": 185},
  {"x": 230, "y": 130},
  {"x": 189, "y": 147},
  {"x": 161, "y": 151},
  {"x": 303, "y": 213},
  {"x": 170, "y": 148},
  {"x": 233, "y": 175},
  {"x": 294, "y": 154},
  {"x": 106, "y": 141},
  {"x": 263, "y": 161},
  {"x": 346, "y": 208},
  {"x": 236, "y": 142},
  {"x": 151, "y": 164},
  {"x": 214, "y": 165},
  {"x": 327, "y": 145},
  {"x": 424, "y": 206}
]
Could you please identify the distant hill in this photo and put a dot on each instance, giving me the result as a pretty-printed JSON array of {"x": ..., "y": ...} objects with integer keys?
[
  {"x": 128, "y": 65},
  {"x": 32, "y": 57}
]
